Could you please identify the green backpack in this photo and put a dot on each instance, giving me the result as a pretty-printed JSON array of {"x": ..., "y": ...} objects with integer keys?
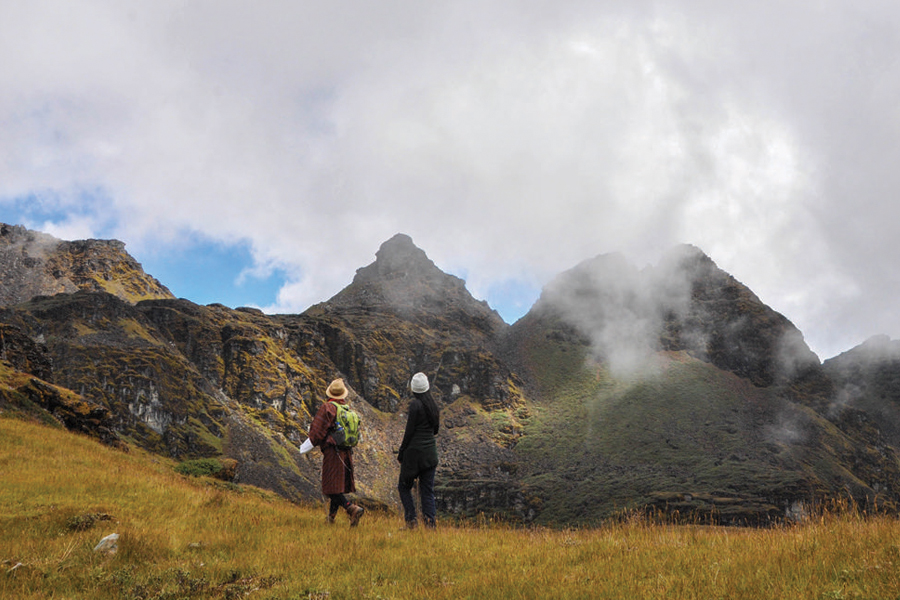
[{"x": 346, "y": 427}]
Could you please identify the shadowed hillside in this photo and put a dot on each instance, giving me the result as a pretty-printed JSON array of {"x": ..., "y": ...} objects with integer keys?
[{"x": 677, "y": 388}]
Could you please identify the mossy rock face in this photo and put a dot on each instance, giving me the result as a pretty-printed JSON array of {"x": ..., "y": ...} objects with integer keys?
[
  {"x": 24, "y": 354},
  {"x": 242, "y": 353},
  {"x": 35, "y": 264},
  {"x": 160, "y": 363},
  {"x": 106, "y": 351},
  {"x": 52, "y": 404},
  {"x": 194, "y": 330},
  {"x": 379, "y": 354}
]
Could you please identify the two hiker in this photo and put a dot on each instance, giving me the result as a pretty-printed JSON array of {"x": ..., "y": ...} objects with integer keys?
[{"x": 417, "y": 454}]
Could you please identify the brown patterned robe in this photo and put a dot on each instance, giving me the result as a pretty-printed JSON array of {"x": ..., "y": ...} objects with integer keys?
[{"x": 337, "y": 465}]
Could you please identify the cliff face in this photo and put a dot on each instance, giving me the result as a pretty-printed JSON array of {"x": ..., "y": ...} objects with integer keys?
[
  {"x": 183, "y": 380},
  {"x": 673, "y": 387}
]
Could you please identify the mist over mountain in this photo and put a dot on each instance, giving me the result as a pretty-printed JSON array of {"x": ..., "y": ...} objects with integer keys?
[
  {"x": 867, "y": 385},
  {"x": 684, "y": 303},
  {"x": 673, "y": 387}
]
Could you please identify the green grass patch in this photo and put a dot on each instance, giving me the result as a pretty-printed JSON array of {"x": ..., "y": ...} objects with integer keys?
[
  {"x": 183, "y": 538},
  {"x": 201, "y": 467}
]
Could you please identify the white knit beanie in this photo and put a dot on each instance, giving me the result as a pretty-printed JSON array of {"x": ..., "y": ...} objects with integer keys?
[{"x": 419, "y": 383}]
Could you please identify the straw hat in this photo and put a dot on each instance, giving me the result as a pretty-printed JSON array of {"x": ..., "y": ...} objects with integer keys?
[
  {"x": 419, "y": 383},
  {"x": 337, "y": 390}
]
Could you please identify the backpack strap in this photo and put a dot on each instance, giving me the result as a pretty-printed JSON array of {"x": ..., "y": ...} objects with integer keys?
[{"x": 337, "y": 409}]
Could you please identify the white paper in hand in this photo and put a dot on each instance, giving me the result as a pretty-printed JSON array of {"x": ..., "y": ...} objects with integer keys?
[{"x": 306, "y": 447}]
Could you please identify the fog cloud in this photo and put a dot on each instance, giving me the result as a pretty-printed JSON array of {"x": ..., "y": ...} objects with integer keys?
[
  {"x": 684, "y": 303},
  {"x": 620, "y": 310}
]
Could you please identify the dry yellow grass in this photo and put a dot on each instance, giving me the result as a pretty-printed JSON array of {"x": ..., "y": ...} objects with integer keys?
[{"x": 192, "y": 538}]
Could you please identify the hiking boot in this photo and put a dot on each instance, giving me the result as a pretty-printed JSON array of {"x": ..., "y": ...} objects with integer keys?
[
  {"x": 355, "y": 512},
  {"x": 330, "y": 518}
]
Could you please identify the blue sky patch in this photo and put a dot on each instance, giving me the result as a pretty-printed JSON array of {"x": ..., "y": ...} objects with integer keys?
[
  {"x": 206, "y": 272},
  {"x": 38, "y": 209},
  {"x": 512, "y": 298}
]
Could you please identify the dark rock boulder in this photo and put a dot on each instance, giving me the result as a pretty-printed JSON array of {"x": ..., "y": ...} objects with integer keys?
[{"x": 23, "y": 353}]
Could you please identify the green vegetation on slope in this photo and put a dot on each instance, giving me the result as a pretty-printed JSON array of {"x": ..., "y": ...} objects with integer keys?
[
  {"x": 185, "y": 537},
  {"x": 683, "y": 437}
]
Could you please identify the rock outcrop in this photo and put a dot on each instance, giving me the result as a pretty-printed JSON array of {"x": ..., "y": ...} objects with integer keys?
[{"x": 36, "y": 264}]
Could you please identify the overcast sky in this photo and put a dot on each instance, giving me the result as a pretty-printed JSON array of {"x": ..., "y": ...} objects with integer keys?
[{"x": 260, "y": 152}]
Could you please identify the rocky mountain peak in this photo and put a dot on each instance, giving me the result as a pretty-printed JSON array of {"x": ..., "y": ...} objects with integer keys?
[
  {"x": 403, "y": 281},
  {"x": 37, "y": 264},
  {"x": 398, "y": 258},
  {"x": 402, "y": 314},
  {"x": 685, "y": 303}
]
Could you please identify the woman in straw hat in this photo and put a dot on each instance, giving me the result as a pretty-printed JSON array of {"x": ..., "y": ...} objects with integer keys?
[
  {"x": 337, "y": 463},
  {"x": 418, "y": 454}
]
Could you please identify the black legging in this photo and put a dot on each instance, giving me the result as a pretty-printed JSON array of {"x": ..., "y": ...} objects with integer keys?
[{"x": 337, "y": 501}]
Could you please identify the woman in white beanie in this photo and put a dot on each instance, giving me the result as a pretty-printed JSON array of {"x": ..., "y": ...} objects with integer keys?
[{"x": 418, "y": 453}]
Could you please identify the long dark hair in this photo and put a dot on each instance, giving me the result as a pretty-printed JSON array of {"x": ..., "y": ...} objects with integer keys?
[{"x": 431, "y": 409}]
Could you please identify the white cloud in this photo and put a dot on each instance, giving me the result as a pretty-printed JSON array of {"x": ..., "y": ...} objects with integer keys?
[{"x": 510, "y": 140}]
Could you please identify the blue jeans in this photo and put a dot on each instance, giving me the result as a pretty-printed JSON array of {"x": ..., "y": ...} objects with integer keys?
[{"x": 426, "y": 497}]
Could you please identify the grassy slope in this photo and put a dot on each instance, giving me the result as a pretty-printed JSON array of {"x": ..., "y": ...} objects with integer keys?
[
  {"x": 690, "y": 437},
  {"x": 187, "y": 538}
]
